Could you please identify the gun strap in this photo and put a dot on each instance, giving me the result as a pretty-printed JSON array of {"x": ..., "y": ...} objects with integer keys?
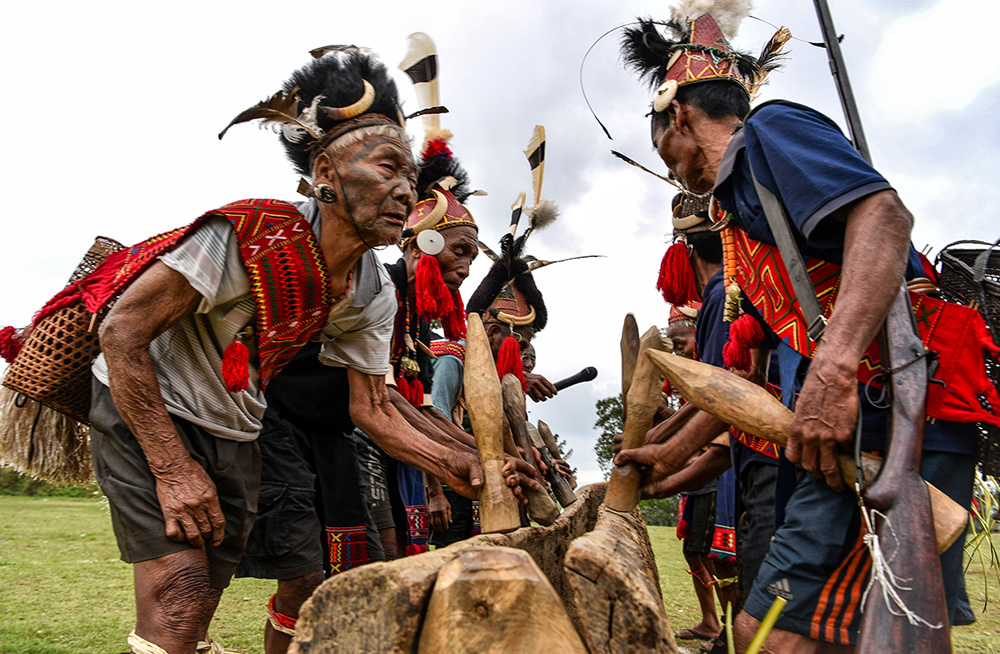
[{"x": 805, "y": 293}]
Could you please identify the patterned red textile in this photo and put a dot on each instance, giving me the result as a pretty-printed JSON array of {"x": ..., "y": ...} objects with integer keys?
[
  {"x": 287, "y": 273},
  {"x": 348, "y": 548},
  {"x": 957, "y": 333},
  {"x": 756, "y": 444}
]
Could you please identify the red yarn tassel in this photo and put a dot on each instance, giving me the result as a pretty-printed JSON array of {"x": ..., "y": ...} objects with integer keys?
[
  {"x": 509, "y": 361},
  {"x": 416, "y": 392},
  {"x": 10, "y": 344},
  {"x": 433, "y": 297},
  {"x": 744, "y": 334},
  {"x": 403, "y": 386},
  {"x": 676, "y": 280},
  {"x": 454, "y": 322},
  {"x": 236, "y": 367},
  {"x": 412, "y": 550},
  {"x": 668, "y": 390}
]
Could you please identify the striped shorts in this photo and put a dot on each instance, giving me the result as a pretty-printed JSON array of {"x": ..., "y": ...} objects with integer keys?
[{"x": 823, "y": 570}]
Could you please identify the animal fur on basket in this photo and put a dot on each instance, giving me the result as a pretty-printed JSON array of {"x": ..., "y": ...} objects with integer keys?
[{"x": 41, "y": 442}]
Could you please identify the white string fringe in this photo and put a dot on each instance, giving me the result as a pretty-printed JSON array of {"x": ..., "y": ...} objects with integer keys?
[{"x": 883, "y": 574}]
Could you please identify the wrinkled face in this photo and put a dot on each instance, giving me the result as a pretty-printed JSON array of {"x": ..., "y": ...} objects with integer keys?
[
  {"x": 461, "y": 246},
  {"x": 683, "y": 341},
  {"x": 376, "y": 181},
  {"x": 677, "y": 150},
  {"x": 528, "y": 357},
  {"x": 497, "y": 331}
]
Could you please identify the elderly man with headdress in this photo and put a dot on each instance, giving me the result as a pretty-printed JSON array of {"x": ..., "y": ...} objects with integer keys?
[
  {"x": 854, "y": 232},
  {"x": 205, "y": 316}
]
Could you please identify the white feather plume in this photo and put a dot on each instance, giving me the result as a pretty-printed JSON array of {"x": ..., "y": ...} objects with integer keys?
[
  {"x": 295, "y": 133},
  {"x": 728, "y": 14}
]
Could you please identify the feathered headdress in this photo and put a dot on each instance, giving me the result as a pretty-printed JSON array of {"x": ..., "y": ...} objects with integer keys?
[
  {"x": 693, "y": 46},
  {"x": 508, "y": 293},
  {"x": 442, "y": 188},
  {"x": 342, "y": 88}
]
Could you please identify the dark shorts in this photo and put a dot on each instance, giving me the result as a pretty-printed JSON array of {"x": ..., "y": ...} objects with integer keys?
[
  {"x": 819, "y": 564},
  {"x": 756, "y": 524},
  {"x": 464, "y": 522},
  {"x": 701, "y": 508},
  {"x": 312, "y": 515},
  {"x": 124, "y": 476}
]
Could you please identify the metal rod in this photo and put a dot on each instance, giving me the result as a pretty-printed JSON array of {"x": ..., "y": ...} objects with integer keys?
[{"x": 839, "y": 70}]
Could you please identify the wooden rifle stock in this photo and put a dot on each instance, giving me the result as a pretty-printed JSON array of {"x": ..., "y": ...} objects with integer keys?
[
  {"x": 898, "y": 492},
  {"x": 541, "y": 507},
  {"x": 749, "y": 407},
  {"x": 643, "y": 398},
  {"x": 560, "y": 485},
  {"x": 498, "y": 507}
]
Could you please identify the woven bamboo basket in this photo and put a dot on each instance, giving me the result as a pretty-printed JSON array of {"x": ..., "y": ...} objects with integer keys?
[
  {"x": 53, "y": 366},
  {"x": 970, "y": 275}
]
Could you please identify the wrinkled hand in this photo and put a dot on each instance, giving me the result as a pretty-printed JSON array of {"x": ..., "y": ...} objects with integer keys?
[
  {"x": 190, "y": 505},
  {"x": 656, "y": 461},
  {"x": 825, "y": 417},
  {"x": 663, "y": 411},
  {"x": 439, "y": 509},
  {"x": 563, "y": 469},
  {"x": 617, "y": 443},
  {"x": 463, "y": 474},
  {"x": 539, "y": 388},
  {"x": 519, "y": 474}
]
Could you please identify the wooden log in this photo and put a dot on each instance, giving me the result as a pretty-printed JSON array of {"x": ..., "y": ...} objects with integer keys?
[
  {"x": 749, "y": 407},
  {"x": 613, "y": 577},
  {"x": 498, "y": 508},
  {"x": 643, "y": 398},
  {"x": 496, "y": 600},
  {"x": 379, "y": 607},
  {"x": 541, "y": 507}
]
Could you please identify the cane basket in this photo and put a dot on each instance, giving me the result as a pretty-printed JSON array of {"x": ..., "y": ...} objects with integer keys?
[
  {"x": 53, "y": 366},
  {"x": 970, "y": 275}
]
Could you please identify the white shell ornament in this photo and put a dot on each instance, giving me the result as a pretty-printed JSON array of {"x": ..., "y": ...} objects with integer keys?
[
  {"x": 664, "y": 95},
  {"x": 430, "y": 242}
]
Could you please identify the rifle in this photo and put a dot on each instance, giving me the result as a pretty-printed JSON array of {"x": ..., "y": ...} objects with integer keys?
[
  {"x": 900, "y": 493},
  {"x": 897, "y": 491}
]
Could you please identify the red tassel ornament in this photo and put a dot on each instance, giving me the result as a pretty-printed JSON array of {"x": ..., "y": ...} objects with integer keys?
[
  {"x": 236, "y": 367},
  {"x": 10, "y": 344},
  {"x": 676, "y": 281},
  {"x": 433, "y": 297},
  {"x": 403, "y": 386},
  {"x": 416, "y": 392},
  {"x": 454, "y": 322},
  {"x": 745, "y": 334},
  {"x": 509, "y": 361}
]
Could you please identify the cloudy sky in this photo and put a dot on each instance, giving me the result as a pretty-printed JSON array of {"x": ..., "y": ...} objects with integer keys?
[{"x": 112, "y": 111}]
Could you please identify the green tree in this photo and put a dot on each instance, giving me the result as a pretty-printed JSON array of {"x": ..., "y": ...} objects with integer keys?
[{"x": 609, "y": 421}]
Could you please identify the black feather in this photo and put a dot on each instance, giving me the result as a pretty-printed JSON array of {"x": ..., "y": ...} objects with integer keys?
[{"x": 338, "y": 76}]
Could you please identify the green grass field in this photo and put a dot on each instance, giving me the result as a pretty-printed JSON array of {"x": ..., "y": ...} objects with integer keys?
[{"x": 63, "y": 589}]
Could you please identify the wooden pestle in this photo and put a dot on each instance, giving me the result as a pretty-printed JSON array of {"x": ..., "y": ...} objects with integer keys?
[
  {"x": 643, "y": 398},
  {"x": 498, "y": 508},
  {"x": 750, "y": 408},
  {"x": 541, "y": 507}
]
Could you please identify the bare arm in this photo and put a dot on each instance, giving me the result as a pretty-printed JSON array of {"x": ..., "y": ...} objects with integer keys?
[
  {"x": 663, "y": 459},
  {"x": 876, "y": 245},
  {"x": 373, "y": 411},
  {"x": 715, "y": 461},
  {"x": 159, "y": 298},
  {"x": 539, "y": 388},
  {"x": 448, "y": 427}
]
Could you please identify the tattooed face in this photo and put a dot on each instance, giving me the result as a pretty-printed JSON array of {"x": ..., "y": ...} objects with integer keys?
[{"x": 376, "y": 183}]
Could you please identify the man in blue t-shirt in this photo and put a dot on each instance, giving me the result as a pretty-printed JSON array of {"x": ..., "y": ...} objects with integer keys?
[{"x": 844, "y": 212}]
